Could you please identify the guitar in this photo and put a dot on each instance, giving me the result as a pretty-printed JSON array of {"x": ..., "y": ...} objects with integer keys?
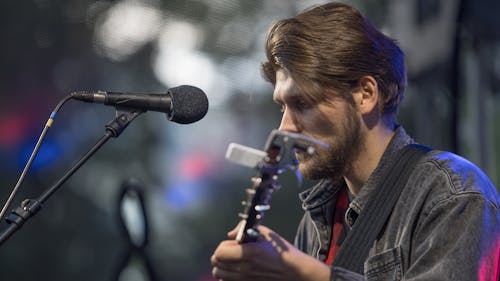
[{"x": 279, "y": 155}]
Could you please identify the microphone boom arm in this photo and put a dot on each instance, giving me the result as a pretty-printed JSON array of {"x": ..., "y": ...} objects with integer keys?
[{"x": 30, "y": 207}]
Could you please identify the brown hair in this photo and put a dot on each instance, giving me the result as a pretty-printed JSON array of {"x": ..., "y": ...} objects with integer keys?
[{"x": 329, "y": 48}]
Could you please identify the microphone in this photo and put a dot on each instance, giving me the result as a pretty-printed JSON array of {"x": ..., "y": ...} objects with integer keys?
[{"x": 183, "y": 104}]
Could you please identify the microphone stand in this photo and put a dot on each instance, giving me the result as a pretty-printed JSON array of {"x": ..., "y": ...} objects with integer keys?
[{"x": 30, "y": 207}]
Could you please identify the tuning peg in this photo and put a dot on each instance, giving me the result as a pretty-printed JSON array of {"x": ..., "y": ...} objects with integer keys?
[
  {"x": 256, "y": 180},
  {"x": 252, "y": 233},
  {"x": 250, "y": 191},
  {"x": 261, "y": 208}
]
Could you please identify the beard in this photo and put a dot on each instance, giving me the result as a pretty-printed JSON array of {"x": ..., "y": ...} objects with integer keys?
[{"x": 337, "y": 159}]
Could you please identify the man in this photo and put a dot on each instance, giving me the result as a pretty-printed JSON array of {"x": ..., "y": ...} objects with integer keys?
[{"x": 340, "y": 80}]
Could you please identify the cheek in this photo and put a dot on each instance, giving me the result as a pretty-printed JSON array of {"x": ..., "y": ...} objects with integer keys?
[{"x": 320, "y": 125}]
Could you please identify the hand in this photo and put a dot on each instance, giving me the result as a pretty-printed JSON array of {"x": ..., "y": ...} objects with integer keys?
[{"x": 270, "y": 258}]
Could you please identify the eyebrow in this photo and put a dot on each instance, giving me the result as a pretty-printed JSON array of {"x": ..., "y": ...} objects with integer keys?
[{"x": 289, "y": 98}]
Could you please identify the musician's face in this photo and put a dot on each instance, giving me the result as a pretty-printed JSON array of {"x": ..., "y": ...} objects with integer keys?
[{"x": 335, "y": 122}]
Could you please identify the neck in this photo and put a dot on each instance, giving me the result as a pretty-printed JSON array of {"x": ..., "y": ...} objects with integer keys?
[{"x": 372, "y": 148}]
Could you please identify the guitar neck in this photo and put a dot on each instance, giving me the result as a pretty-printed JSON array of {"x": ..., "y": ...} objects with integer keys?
[{"x": 257, "y": 202}]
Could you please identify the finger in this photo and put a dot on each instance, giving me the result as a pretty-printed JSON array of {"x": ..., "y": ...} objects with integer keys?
[
  {"x": 230, "y": 266},
  {"x": 224, "y": 264},
  {"x": 266, "y": 234},
  {"x": 222, "y": 274},
  {"x": 228, "y": 251},
  {"x": 232, "y": 234},
  {"x": 279, "y": 243},
  {"x": 231, "y": 274},
  {"x": 213, "y": 260}
]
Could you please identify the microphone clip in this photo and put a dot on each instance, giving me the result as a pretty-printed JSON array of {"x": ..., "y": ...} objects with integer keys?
[{"x": 124, "y": 115}]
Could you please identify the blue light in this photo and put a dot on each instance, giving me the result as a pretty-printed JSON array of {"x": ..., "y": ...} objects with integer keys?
[
  {"x": 50, "y": 151},
  {"x": 185, "y": 193}
]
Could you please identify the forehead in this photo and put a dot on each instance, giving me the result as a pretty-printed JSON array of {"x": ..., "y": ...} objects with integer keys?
[
  {"x": 284, "y": 87},
  {"x": 286, "y": 90}
]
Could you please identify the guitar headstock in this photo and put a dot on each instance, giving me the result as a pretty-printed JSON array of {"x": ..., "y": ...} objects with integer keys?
[{"x": 279, "y": 155}]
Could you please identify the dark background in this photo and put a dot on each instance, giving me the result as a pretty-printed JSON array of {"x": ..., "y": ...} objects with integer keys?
[{"x": 192, "y": 194}]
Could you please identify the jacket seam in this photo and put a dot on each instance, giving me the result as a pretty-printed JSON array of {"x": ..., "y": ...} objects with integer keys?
[
  {"x": 454, "y": 191},
  {"x": 444, "y": 201},
  {"x": 318, "y": 237}
]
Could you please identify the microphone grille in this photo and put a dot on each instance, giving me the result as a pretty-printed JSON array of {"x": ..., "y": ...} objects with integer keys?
[{"x": 189, "y": 104}]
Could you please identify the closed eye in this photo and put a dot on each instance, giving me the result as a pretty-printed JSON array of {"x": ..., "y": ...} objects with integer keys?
[
  {"x": 280, "y": 104},
  {"x": 299, "y": 104}
]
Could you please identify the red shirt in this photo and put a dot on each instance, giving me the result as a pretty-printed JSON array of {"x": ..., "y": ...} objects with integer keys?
[{"x": 338, "y": 225}]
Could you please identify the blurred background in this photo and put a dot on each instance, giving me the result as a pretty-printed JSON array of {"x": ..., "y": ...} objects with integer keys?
[{"x": 184, "y": 195}]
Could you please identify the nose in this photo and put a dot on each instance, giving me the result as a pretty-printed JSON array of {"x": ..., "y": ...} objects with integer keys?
[{"x": 288, "y": 122}]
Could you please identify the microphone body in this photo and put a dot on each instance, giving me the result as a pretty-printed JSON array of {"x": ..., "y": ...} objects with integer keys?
[
  {"x": 183, "y": 104},
  {"x": 153, "y": 102}
]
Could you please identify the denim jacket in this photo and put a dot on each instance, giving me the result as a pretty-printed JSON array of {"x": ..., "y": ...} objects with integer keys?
[{"x": 445, "y": 225}]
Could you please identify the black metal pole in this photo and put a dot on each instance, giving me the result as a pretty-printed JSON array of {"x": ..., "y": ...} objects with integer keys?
[
  {"x": 30, "y": 207},
  {"x": 455, "y": 86}
]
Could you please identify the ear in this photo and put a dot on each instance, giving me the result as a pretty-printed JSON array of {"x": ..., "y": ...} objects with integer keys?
[{"x": 366, "y": 96}]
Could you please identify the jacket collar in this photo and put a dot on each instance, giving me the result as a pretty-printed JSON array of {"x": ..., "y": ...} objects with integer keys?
[
  {"x": 320, "y": 193},
  {"x": 398, "y": 141}
]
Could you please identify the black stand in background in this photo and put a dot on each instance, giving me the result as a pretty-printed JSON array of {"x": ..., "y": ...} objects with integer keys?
[
  {"x": 30, "y": 207},
  {"x": 134, "y": 227}
]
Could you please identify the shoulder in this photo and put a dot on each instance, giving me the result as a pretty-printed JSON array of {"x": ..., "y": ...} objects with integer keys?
[{"x": 446, "y": 175}]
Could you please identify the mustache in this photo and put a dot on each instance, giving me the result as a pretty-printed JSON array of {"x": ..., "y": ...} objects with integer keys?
[{"x": 302, "y": 155}]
